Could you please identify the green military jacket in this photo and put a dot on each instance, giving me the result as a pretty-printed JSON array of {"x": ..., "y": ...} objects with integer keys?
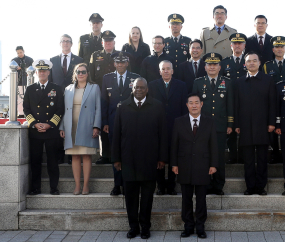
[
  {"x": 218, "y": 103},
  {"x": 231, "y": 70},
  {"x": 87, "y": 45},
  {"x": 271, "y": 68}
]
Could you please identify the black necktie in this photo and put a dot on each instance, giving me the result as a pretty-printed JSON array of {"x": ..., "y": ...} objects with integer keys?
[
  {"x": 280, "y": 66},
  {"x": 43, "y": 87},
  {"x": 219, "y": 30},
  {"x": 237, "y": 61},
  {"x": 139, "y": 104},
  {"x": 195, "y": 127},
  {"x": 121, "y": 84},
  {"x": 260, "y": 42},
  {"x": 213, "y": 83},
  {"x": 175, "y": 40},
  {"x": 64, "y": 65},
  {"x": 196, "y": 68}
]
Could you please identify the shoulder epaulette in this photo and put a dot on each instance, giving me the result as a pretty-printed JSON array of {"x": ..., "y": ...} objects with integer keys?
[{"x": 280, "y": 82}]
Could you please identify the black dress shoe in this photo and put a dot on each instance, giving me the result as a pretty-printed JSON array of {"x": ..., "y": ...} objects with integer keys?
[
  {"x": 160, "y": 192},
  {"x": 116, "y": 191},
  {"x": 60, "y": 161},
  {"x": 219, "y": 192},
  {"x": 283, "y": 193},
  {"x": 145, "y": 234},
  {"x": 35, "y": 192},
  {"x": 248, "y": 192},
  {"x": 103, "y": 160},
  {"x": 232, "y": 161},
  {"x": 211, "y": 191},
  {"x": 261, "y": 192},
  {"x": 187, "y": 233},
  {"x": 133, "y": 233},
  {"x": 202, "y": 234},
  {"x": 54, "y": 191},
  {"x": 172, "y": 192}
]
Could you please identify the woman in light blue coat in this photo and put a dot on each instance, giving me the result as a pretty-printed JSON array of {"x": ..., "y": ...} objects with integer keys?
[{"x": 81, "y": 124}]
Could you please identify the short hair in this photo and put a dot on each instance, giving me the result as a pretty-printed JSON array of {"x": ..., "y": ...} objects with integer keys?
[
  {"x": 165, "y": 61},
  {"x": 196, "y": 41},
  {"x": 260, "y": 16},
  {"x": 140, "y": 79},
  {"x": 19, "y": 48},
  {"x": 220, "y": 7},
  {"x": 194, "y": 94},
  {"x": 74, "y": 78},
  {"x": 159, "y": 36},
  {"x": 66, "y": 36},
  {"x": 130, "y": 39},
  {"x": 252, "y": 53}
]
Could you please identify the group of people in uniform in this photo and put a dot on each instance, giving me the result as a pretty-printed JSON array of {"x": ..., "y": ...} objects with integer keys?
[{"x": 152, "y": 107}]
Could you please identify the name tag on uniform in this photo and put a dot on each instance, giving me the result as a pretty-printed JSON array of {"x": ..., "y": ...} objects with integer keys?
[{"x": 109, "y": 88}]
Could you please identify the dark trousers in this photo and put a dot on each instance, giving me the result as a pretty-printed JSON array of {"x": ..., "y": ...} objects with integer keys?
[
  {"x": 282, "y": 140},
  {"x": 105, "y": 145},
  {"x": 275, "y": 155},
  {"x": 161, "y": 182},
  {"x": 36, "y": 153},
  {"x": 255, "y": 178},
  {"x": 187, "y": 206},
  {"x": 235, "y": 152},
  {"x": 219, "y": 178},
  {"x": 60, "y": 149},
  {"x": 134, "y": 204},
  {"x": 118, "y": 179}
]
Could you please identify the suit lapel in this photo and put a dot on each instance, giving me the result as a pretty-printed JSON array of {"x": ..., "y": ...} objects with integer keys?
[
  {"x": 59, "y": 64},
  {"x": 127, "y": 82},
  {"x": 70, "y": 67},
  {"x": 161, "y": 88},
  {"x": 86, "y": 93},
  {"x": 266, "y": 41},
  {"x": 188, "y": 125},
  {"x": 208, "y": 83},
  {"x": 222, "y": 36},
  {"x": 173, "y": 86},
  {"x": 202, "y": 126},
  {"x": 201, "y": 67},
  {"x": 190, "y": 67},
  {"x": 217, "y": 83}
]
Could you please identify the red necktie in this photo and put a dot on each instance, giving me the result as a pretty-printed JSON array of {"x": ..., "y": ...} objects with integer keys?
[
  {"x": 139, "y": 104},
  {"x": 64, "y": 65},
  {"x": 260, "y": 42},
  {"x": 195, "y": 126}
]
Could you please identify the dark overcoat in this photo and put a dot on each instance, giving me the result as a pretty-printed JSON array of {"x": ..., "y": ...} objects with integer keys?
[
  {"x": 187, "y": 74},
  {"x": 140, "y": 139},
  {"x": 255, "y": 108},
  {"x": 174, "y": 103},
  {"x": 194, "y": 155}
]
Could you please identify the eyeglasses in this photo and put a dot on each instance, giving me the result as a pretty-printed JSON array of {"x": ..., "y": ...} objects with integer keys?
[
  {"x": 223, "y": 13},
  {"x": 195, "y": 48},
  {"x": 263, "y": 23},
  {"x": 82, "y": 72},
  {"x": 65, "y": 41},
  {"x": 157, "y": 43}
]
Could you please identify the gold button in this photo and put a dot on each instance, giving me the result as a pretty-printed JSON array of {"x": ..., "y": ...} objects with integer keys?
[
  {"x": 176, "y": 60},
  {"x": 213, "y": 114},
  {"x": 213, "y": 107},
  {"x": 237, "y": 72},
  {"x": 38, "y": 106},
  {"x": 38, "y": 120},
  {"x": 280, "y": 76},
  {"x": 47, "y": 120},
  {"x": 47, "y": 106},
  {"x": 176, "y": 55},
  {"x": 213, "y": 101},
  {"x": 37, "y": 113},
  {"x": 47, "y": 113},
  {"x": 176, "y": 50},
  {"x": 176, "y": 66},
  {"x": 237, "y": 77},
  {"x": 214, "y": 47},
  {"x": 213, "y": 94}
]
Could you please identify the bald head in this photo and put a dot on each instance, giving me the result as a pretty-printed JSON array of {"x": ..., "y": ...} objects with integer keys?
[{"x": 140, "y": 88}]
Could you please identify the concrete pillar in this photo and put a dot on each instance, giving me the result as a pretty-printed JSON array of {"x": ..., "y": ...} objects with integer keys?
[{"x": 14, "y": 174}]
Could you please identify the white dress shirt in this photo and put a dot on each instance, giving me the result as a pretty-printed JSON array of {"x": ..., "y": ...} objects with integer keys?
[
  {"x": 235, "y": 58},
  {"x": 198, "y": 62},
  {"x": 137, "y": 101},
  {"x": 68, "y": 58},
  {"x": 43, "y": 84},
  {"x": 213, "y": 78},
  {"x": 124, "y": 78},
  {"x": 178, "y": 37},
  {"x": 263, "y": 39},
  {"x": 248, "y": 75},
  {"x": 192, "y": 122}
]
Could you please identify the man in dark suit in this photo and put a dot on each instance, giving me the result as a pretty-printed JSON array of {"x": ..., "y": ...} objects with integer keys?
[
  {"x": 101, "y": 63},
  {"x": 217, "y": 96},
  {"x": 64, "y": 63},
  {"x": 194, "y": 157},
  {"x": 255, "y": 113},
  {"x": 177, "y": 46},
  {"x": 43, "y": 108},
  {"x": 233, "y": 67},
  {"x": 150, "y": 65},
  {"x": 61, "y": 74},
  {"x": 276, "y": 69},
  {"x": 172, "y": 93},
  {"x": 139, "y": 148},
  {"x": 260, "y": 41},
  {"x": 92, "y": 42},
  {"x": 195, "y": 67},
  {"x": 117, "y": 87}
]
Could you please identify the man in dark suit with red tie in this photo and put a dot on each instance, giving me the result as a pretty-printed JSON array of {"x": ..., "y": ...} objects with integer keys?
[
  {"x": 61, "y": 74},
  {"x": 172, "y": 93},
  {"x": 260, "y": 41},
  {"x": 195, "y": 67},
  {"x": 194, "y": 157}
]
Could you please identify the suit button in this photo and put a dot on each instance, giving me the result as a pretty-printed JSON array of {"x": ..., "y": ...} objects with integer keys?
[
  {"x": 237, "y": 72},
  {"x": 213, "y": 114},
  {"x": 213, "y": 107},
  {"x": 280, "y": 76},
  {"x": 214, "y": 47},
  {"x": 47, "y": 120},
  {"x": 213, "y": 94},
  {"x": 213, "y": 101},
  {"x": 47, "y": 106},
  {"x": 121, "y": 95},
  {"x": 38, "y": 120},
  {"x": 176, "y": 55},
  {"x": 193, "y": 154},
  {"x": 85, "y": 107},
  {"x": 38, "y": 106},
  {"x": 47, "y": 113},
  {"x": 176, "y": 50},
  {"x": 37, "y": 113},
  {"x": 237, "y": 77},
  {"x": 176, "y": 60},
  {"x": 194, "y": 142}
]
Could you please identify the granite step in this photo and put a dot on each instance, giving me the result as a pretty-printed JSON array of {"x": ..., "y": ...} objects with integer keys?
[
  {"x": 105, "y": 201},
  {"x": 162, "y": 219},
  {"x": 105, "y": 185},
  {"x": 106, "y": 171}
]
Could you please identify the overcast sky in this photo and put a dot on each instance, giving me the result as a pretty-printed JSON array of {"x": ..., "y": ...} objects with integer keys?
[{"x": 38, "y": 25}]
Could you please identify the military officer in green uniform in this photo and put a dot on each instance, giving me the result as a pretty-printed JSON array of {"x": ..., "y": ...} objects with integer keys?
[
  {"x": 276, "y": 69},
  {"x": 101, "y": 62},
  {"x": 217, "y": 95},
  {"x": 89, "y": 43},
  {"x": 177, "y": 46},
  {"x": 234, "y": 67}
]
